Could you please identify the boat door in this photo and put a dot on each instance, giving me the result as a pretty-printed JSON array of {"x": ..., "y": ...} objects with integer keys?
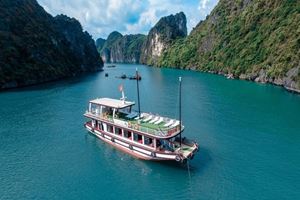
[{"x": 104, "y": 127}]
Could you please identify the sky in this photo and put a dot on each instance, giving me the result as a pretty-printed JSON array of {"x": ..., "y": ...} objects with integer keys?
[{"x": 101, "y": 17}]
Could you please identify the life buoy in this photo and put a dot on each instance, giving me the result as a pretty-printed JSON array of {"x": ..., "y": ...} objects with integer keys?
[
  {"x": 129, "y": 125},
  {"x": 177, "y": 158},
  {"x": 153, "y": 154}
]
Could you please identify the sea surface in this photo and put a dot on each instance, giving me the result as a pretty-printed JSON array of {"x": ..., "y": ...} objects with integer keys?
[{"x": 249, "y": 137}]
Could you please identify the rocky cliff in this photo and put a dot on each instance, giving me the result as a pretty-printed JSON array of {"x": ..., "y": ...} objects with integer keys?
[
  {"x": 127, "y": 49},
  {"x": 247, "y": 39},
  {"x": 122, "y": 49},
  {"x": 144, "y": 49},
  {"x": 162, "y": 35},
  {"x": 105, "y": 50},
  {"x": 100, "y": 43},
  {"x": 36, "y": 47}
]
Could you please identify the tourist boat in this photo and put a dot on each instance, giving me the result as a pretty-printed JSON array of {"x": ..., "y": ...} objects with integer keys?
[
  {"x": 143, "y": 135},
  {"x": 135, "y": 77},
  {"x": 123, "y": 76}
]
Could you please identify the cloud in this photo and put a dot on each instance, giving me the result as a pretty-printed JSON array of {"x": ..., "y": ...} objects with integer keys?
[
  {"x": 101, "y": 17},
  {"x": 203, "y": 4}
]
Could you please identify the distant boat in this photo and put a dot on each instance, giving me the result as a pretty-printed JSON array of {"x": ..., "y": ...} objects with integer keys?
[
  {"x": 111, "y": 66},
  {"x": 135, "y": 77},
  {"x": 123, "y": 76},
  {"x": 106, "y": 74}
]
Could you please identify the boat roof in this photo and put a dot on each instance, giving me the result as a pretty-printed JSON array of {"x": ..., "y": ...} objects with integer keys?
[{"x": 113, "y": 103}]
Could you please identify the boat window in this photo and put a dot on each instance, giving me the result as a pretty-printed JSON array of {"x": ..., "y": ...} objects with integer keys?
[
  {"x": 109, "y": 128},
  {"x": 122, "y": 113},
  {"x": 107, "y": 110},
  {"x": 95, "y": 109},
  {"x": 148, "y": 141},
  {"x": 137, "y": 138},
  {"x": 127, "y": 134},
  {"x": 165, "y": 145},
  {"x": 118, "y": 131},
  {"x": 125, "y": 110}
]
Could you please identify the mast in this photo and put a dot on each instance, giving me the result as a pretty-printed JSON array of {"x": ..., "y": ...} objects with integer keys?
[
  {"x": 138, "y": 91},
  {"x": 180, "y": 122}
]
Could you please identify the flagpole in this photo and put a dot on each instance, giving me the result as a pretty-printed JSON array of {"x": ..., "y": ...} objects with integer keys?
[{"x": 138, "y": 91}]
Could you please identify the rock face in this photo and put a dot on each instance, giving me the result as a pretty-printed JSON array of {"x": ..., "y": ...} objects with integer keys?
[
  {"x": 105, "y": 50},
  {"x": 250, "y": 39},
  {"x": 127, "y": 49},
  {"x": 122, "y": 49},
  {"x": 161, "y": 35},
  {"x": 100, "y": 43},
  {"x": 36, "y": 47},
  {"x": 140, "y": 48}
]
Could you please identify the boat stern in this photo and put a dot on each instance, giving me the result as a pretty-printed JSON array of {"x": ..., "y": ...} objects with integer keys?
[{"x": 187, "y": 150}]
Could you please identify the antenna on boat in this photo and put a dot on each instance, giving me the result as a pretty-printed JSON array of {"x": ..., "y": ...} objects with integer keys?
[
  {"x": 180, "y": 110},
  {"x": 138, "y": 90},
  {"x": 123, "y": 98}
]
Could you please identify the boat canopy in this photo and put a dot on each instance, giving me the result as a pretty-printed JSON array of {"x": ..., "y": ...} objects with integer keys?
[{"x": 113, "y": 103}]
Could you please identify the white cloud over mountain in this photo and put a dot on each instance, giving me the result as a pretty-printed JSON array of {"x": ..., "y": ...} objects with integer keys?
[{"x": 101, "y": 17}]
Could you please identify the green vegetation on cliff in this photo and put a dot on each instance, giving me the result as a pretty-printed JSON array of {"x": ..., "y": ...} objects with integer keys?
[
  {"x": 165, "y": 31},
  {"x": 251, "y": 39},
  {"x": 122, "y": 49},
  {"x": 99, "y": 44},
  {"x": 36, "y": 47}
]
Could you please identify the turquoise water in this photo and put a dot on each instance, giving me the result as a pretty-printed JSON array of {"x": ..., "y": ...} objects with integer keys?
[{"x": 249, "y": 136}]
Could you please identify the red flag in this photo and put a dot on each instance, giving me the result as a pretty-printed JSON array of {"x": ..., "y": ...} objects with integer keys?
[{"x": 121, "y": 88}]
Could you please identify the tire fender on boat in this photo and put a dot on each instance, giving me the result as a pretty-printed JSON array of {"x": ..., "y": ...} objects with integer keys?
[
  {"x": 153, "y": 154},
  {"x": 130, "y": 147},
  {"x": 177, "y": 158}
]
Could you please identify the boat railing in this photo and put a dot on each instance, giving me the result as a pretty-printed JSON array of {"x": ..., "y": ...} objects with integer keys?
[
  {"x": 103, "y": 116},
  {"x": 136, "y": 125}
]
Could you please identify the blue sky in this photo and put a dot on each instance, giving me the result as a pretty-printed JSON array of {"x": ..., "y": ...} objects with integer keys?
[{"x": 101, "y": 17}]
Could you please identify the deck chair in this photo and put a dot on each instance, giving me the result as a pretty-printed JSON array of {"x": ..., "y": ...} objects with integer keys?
[
  {"x": 160, "y": 120},
  {"x": 154, "y": 120},
  {"x": 175, "y": 124},
  {"x": 148, "y": 118},
  {"x": 140, "y": 117},
  {"x": 169, "y": 123}
]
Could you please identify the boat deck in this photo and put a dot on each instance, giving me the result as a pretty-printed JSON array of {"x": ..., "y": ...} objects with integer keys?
[
  {"x": 148, "y": 123},
  {"x": 186, "y": 150}
]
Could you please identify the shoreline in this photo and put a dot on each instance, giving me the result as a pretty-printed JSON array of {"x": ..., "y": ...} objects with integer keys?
[
  {"x": 6, "y": 89},
  {"x": 228, "y": 76},
  {"x": 255, "y": 79}
]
